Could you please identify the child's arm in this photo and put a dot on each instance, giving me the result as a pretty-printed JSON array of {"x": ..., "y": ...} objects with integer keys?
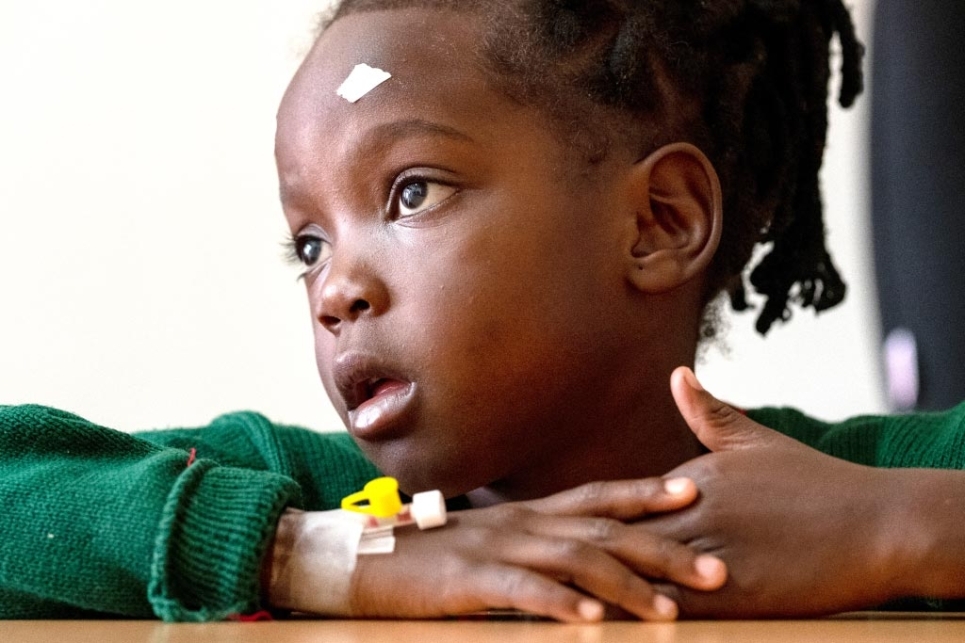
[
  {"x": 176, "y": 524},
  {"x": 805, "y": 533},
  {"x": 562, "y": 557},
  {"x": 100, "y": 522}
]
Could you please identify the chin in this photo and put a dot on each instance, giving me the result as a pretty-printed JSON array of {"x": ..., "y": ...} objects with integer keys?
[{"x": 417, "y": 474}]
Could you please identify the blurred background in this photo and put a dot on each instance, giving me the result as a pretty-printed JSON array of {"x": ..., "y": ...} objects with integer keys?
[{"x": 141, "y": 275}]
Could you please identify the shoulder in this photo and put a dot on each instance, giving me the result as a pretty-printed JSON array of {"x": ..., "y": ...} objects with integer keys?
[{"x": 923, "y": 439}]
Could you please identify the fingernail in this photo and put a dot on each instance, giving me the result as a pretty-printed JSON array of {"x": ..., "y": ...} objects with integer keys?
[
  {"x": 590, "y": 610},
  {"x": 692, "y": 380},
  {"x": 676, "y": 486},
  {"x": 709, "y": 567},
  {"x": 664, "y": 606}
]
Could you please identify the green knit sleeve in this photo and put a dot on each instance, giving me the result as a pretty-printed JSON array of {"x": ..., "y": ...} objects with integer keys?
[
  {"x": 927, "y": 440},
  {"x": 172, "y": 524},
  {"x": 326, "y": 466}
]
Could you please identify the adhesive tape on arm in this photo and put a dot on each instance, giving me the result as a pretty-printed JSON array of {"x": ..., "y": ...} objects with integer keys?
[
  {"x": 429, "y": 509},
  {"x": 315, "y": 573}
]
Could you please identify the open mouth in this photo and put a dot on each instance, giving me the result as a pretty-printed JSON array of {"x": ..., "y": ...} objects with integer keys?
[
  {"x": 375, "y": 387},
  {"x": 377, "y": 407},
  {"x": 360, "y": 380}
]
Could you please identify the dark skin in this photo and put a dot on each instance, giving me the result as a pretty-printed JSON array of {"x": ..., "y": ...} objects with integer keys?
[
  {"x": 478, "y": 339},
  {"x": 860, "y": 536},
  {"x": 483, "y": 304},
  {"x": 479, "y": 309}
]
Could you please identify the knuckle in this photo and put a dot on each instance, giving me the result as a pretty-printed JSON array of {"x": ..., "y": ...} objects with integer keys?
[
  {"x": 649, "y": 487},
  {"x": 715, "y": 469},
  {"x": 475, "y": 537},
  {"x": 665, "y": 552},
  {"x": 722, "y": 415},
  {"x": 648, "y": 490},
  {"x": 592, "y": 493},
  {"x": 513, "y": 583},
  {"x": 516, "y": 588},
  {"x": 476, "y": 540},
  {"x": 707, "y": 469},
  {"x": 603, "y": 530},
  {"x": 572, "y": 550},
  {"x": 509, "y": 513}
]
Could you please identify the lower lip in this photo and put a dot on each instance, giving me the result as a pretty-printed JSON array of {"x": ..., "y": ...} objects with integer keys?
[{"x": 381, "y": 412}]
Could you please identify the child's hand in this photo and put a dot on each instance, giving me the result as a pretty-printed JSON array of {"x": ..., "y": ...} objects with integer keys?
[
  {"x": 565, "y": 557},
  {"x": 542, "y": 557},
  {"x": 801, "y": 532}
]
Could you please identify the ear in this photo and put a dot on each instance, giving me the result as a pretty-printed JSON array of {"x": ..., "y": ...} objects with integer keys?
[{"x": 678, "y": 217}]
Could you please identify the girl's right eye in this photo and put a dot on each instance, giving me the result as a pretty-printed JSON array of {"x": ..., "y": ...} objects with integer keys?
[{"x": 310, "y": 250}]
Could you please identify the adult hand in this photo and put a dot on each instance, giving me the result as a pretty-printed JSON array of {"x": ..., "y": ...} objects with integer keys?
[
  {"x": 802, "y": 533},
  {"x": 566, "y": 557}
]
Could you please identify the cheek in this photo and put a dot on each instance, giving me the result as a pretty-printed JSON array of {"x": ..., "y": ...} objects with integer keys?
[{"x": 501, "y": 295}]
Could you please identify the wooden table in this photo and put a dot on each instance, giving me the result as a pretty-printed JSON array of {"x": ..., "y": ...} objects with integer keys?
[{"x": 853, "y": 630}]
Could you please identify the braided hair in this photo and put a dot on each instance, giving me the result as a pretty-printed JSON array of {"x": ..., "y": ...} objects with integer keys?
[{"x": 745, "y": 80}]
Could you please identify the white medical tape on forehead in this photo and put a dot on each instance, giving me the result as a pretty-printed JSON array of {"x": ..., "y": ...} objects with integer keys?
[
  {"x": 316, "y": 573},
  {"x": 361, "y": 81}
]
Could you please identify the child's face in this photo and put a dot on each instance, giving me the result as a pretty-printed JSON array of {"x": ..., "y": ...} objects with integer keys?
[{"x": 467, "y": 288}]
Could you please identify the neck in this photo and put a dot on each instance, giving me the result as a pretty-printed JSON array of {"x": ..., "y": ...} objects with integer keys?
[
  {"x": 622, "y": 422},
  {"x": 636, "y": 433}
]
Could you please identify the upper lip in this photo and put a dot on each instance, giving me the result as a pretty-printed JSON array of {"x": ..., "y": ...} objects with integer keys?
[{"x": 356, "y": 376}]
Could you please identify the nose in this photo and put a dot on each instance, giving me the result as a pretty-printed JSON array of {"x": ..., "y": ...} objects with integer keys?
[{"x": 349, "y": 291}]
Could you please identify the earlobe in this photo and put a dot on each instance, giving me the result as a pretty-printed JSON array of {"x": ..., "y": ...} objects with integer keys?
[{"x": 678, "y": 217}]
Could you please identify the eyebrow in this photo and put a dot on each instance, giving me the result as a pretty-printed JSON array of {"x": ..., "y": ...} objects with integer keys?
[{"x": 387, "y": 133}]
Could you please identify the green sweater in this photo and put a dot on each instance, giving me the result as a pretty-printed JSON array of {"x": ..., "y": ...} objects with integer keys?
[{"x": 98, "y": 522}]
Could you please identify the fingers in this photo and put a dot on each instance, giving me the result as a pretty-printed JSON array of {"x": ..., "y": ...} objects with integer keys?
[
  {"x": 586, "y": 567},
  {"x": 689, "y": 603},
  {"x": 620, "y": 500},
  {"x": 494, "y": 566},
  {"x": 568, "y": 568},
  {"x": 727, "y": 603},
  {"x": 604, "y": 558},
  {"x": 644, "y": 552},
  {"x": 523, "y": 590},
  {"x": 718, "y": 426}
]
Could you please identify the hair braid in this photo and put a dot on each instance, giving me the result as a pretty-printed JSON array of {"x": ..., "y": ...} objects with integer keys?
[{"x": 798, "y": 266}]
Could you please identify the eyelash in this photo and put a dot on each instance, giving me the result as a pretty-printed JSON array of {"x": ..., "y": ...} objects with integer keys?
[
  {"x": 290, "y": 250},
  {"x": 291, "y": 256}
]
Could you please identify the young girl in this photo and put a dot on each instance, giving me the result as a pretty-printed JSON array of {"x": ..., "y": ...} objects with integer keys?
[{"x": 509, "y": 245}]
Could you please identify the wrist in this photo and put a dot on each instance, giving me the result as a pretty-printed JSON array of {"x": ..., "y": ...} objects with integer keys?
[
  {"x": 277, "y": 556},
  {"x": 312, "y": 561},
  {"x": 926, "y": 530}
]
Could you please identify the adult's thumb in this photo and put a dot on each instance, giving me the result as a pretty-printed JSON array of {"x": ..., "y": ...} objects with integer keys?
[{"x": 717, "y": 425}]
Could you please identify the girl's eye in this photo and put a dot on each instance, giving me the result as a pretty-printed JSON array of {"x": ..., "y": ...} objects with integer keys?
[
  {"x": 419, "y": 195},
  {"x": 311, "y": 250}
]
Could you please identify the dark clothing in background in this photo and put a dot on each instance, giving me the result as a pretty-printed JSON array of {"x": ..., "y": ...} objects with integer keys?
[{"x": 918, "y": 185}]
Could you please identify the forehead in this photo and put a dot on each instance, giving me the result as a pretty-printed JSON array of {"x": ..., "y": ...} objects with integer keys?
[
  {"x": 411, "y": 37},
  {"x": 437, "y": 76}
]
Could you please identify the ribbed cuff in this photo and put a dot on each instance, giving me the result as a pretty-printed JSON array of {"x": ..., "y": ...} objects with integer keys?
[{"x": 214, "y": 531}]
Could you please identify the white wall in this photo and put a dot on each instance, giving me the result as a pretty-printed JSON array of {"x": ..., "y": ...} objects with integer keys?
[
  {"x": 827, "y": 365},
  {"x": 141, "y": 284}
]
